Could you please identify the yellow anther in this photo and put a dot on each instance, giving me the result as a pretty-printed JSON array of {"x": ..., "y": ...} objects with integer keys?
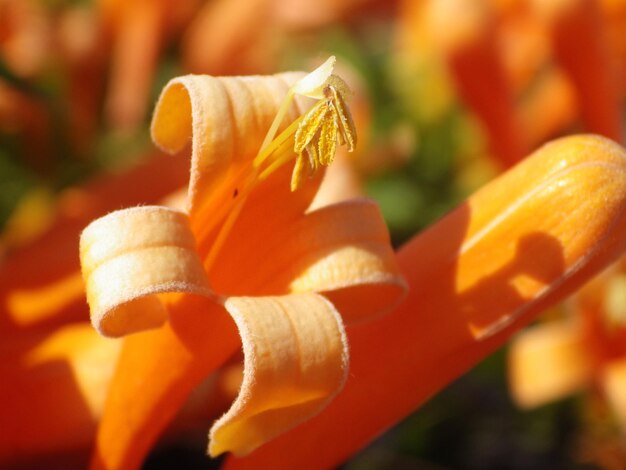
[
  {"x": 315, "y": 133},
  {"x": 321, "y": 127}
]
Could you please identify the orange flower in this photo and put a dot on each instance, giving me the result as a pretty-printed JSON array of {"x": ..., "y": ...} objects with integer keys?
[
  {"x": 577, "y": 32},
  {"x": 526, "y": 69},
  {"x": 40, "y": 282},
  {"x": 523, "y": 242},
  {"x": 250, "y": 238},
  {"x": 558, "y": 358},
  {"x": 58, "y": 367},
  {"x": 464, "y": 34}
]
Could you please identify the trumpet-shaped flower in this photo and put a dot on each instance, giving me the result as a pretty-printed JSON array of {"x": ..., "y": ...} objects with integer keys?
[
  {"x": 557, "y": 358},
  {"x": 520, "y": 244},
  {"x": 246, "y": 256}
]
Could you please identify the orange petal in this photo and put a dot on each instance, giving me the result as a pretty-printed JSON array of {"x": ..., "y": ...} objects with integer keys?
[
  {"x": 226, "y": 119},
  {"x": 342, "y": 251},
  {"x": 568, "y": 199},
  {"x": 548, "y": 362},
  {"x": 39, "y": 283},
  {"x": 576, "y": 28},
  {"x": 155, "y": 374},
  {"x": 465, "y": 30},
  {"x": 135, "y": 53},
  {"x": 295, "y": 362},
  {"x": 55, "y": 386},
  {"x": 613, "y": 382},
  {"x": 130, "y": 255}
]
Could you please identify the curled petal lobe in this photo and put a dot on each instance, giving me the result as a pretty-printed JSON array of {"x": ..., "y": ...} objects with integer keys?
[
  {"x": 296, "y": 360},
  {"x": 225, "y": 119},
  {"x": 342, "y": 251},
  {"x": 129, "y": 256},
  {"x": 529, "y": 263}
]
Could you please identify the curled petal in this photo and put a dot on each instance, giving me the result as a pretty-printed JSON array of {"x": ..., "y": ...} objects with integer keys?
[
  {"x": 349, "y": 259},
  {"x": 341, "y": 251},
  {"x": 130, "y": 255},
  {"x": 548, "y": 362},
  {"x": 296, "y": 360},
  {"x": 40, "y": 284},
  {"x": 226, "y": 119}
]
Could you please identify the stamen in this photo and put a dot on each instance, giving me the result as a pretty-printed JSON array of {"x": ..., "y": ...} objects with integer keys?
[
  {"x": 282, "y": 138},
  {"x": 315, "y": 133},
  {"x": 309, "y": 125},
  {"x": 299, "y": 169},
  {"x": 346, "y": 124},
  {"x": 282, "y": 155},
  {"x": 278, "y": 119},
  {"x": 327, "y": 142}
]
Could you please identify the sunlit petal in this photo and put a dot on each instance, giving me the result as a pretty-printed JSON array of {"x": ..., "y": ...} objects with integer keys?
[
  {"x": 58, "y": 384},
  {"x": 296, "y": 360},
  {"x": 129, "y": 256},
  {"x": 341, "y": 251},
  {"x": 613, "y": 382},
  {"x": 427, "y": 342},
  {"x": 548, "y": 362},
  {"x": 225, "y": 119}
]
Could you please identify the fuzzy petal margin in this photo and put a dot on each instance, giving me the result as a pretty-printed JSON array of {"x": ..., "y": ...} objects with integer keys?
[
  {"x": 225, "y": 119},
  {"x": 428, "y": 341},
  {"x": 342, "y": 251},
  {"x": 129, "y": 256},
  {"x": 296, "y": 360}
]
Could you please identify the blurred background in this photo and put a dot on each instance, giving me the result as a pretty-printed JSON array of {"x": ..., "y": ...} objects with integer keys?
[{"x": 448, "y": 94}]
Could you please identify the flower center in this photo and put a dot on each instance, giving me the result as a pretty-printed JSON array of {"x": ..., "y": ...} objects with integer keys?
[
  {"x": 311, "y": 140},
  {"x": 314, "y": 135}
]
